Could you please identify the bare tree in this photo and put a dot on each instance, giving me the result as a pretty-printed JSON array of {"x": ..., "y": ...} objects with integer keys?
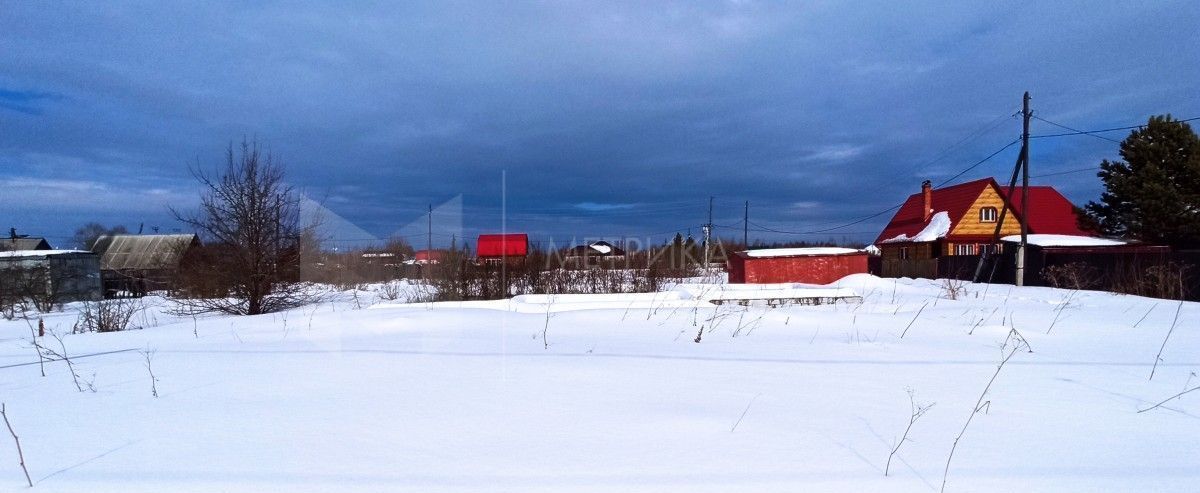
[
  {"x": 251, "y": 220},
  {"x": 86, "y": 235}
]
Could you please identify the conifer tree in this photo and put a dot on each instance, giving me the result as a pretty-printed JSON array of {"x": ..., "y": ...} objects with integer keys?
[{"x": 1153, "y": 195}]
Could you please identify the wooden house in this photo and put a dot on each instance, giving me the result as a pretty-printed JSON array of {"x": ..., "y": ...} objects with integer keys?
[
  {"x": 593, "y": 253},
  {"x": 961, "y": 220},
  {"x": 133, "y": 265}
]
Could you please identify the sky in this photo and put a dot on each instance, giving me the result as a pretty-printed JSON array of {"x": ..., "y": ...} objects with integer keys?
[{"x": 577, "y": 120}]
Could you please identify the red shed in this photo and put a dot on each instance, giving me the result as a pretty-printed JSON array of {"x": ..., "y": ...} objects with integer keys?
[
  {"x": 497, "y": 246},
  {"x": 806, "y": 265}
]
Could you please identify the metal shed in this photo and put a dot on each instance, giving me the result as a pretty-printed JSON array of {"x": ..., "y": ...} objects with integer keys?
[
  {"x": 804, "y": 265},
  {"x": 61, "y": 275}
]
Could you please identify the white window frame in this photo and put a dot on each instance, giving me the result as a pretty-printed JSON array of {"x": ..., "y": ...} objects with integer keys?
[{"x": 984, "y": 213}]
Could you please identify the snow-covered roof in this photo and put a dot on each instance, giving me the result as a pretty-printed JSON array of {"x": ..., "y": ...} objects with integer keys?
[
  {"x": 1065, "y": 241},
  {"x": 938, "y": 227},
  {"x": 798, "y": 252},
  {"x": 872, "y": 249},
  {"x": 600, "y": 247},
  {"x": 38, "y": 253}
]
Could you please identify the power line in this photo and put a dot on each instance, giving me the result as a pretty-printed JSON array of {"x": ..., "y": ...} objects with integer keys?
[
  {"x": 983, "y": 130},
  {"x": 1089, "y": 132},
  {"x": 1067, "y": 172},
  {"x": 1080, "y": 132},
  {"x": 977, "y": 163}
]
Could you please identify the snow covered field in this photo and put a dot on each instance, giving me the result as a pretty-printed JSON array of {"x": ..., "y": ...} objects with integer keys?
[{"x": 468, "y": 397}]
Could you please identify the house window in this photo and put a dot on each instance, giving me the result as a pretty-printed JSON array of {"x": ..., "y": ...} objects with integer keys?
[
  {"x": 903, "y": 253},
  {"x": 987, "y": 215},
  {"x": 961, "y": 249}
]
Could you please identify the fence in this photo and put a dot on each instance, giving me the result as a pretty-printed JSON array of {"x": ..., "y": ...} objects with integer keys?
[{"x": 1147, "y": 271}]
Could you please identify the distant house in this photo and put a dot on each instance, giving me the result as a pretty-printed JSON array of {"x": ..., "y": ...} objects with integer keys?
[
  {"x": 423, "y": 257},
  {"x": 15, "y": 243},
  {"x": 502, "y": 247},
  {"x": 821, "y": 265},
  {"x": 593, "y": 253},
  {"x": 56, "y": 276},
  {"x": 137, "y": 264}
]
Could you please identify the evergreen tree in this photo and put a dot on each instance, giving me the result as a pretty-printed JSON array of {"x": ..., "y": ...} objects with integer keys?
[{"x": 1154, "y": 194}]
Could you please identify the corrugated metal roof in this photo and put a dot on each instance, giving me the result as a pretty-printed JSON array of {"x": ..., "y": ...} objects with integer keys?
[
  {"x": 954, "y": 200},
  {"x": 25, "y": 243},
  {"x": 142, "y": 252},
  {"x": 1054, "y": 214}
]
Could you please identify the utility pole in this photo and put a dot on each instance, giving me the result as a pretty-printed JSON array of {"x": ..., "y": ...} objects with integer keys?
[
  {"x": 1020, "y": 169},
  {"x": 746, "y": 226},
  {"x": 1025, "y": 213},
  {"x": 428, "y": 247},
  {"x": 707, "y": 233}
]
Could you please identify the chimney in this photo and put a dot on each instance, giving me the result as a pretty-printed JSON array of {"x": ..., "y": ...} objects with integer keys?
[{"x": 927, "y": 194}]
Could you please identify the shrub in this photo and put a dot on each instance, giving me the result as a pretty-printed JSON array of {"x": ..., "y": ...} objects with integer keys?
[
  {"x": 1075, "y": 275},
  {"x": 106, "y": 316}
]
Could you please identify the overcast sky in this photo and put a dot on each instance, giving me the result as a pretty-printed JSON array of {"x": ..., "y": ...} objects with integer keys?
[{"x": 610, "y": 119}]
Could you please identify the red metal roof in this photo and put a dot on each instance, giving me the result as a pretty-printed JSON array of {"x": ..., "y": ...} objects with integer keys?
[
  {"x": 954, "y": 200},
  {"x": 1054, "y": 213},
  {"x": 502, "y": 245}
]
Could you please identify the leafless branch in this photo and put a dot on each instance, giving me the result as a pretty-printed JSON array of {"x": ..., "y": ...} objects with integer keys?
[
  {"x": 1164, "y": 401},
  {"x": 1012, "y": 344},
  {"x": 916, "y": 411},
  {"x": 1158, "y": 357},
  {"x": 20, "y": 454},
  {"x": 914, "y": 320}
]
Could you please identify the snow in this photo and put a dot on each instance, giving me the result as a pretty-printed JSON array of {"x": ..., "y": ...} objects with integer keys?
[
  {"x": 601, "y": 248},
  {"x": 798, "y": 252},
  {"x": 1064, "y": 240},
  {"x": 38, "y": 253},
  {"x": 872, "y": 249},
  {"x": 938, "y": 227},
  {"x": 458, "y": 397}
]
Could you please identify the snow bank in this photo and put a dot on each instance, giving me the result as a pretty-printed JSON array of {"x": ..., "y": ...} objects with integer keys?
[
  {"x": 799, "y": 252},
  {"x": 938, "y": 227},
  {"x": 1065, "y": 241}
]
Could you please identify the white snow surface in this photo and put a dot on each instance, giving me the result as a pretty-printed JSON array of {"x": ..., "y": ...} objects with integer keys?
[
  {"x": 797, "y": 252},
  {"x": 600, "y": 248},
  {"x": 594, "y": 393},
  {"x": 1065, "y": 240},
  {"x": 37, "y": 253},
  {"x": 938, "y": 227}
]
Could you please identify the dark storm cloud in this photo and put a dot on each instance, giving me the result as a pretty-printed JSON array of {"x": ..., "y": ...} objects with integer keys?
[{"x": 608, "y": 118}]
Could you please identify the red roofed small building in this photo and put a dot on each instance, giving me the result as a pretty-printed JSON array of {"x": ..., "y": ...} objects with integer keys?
[
  {"x": 961, "y": 220},
  {"x": 497, "y": 247},
  {"x": 804, "y": 265}
]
